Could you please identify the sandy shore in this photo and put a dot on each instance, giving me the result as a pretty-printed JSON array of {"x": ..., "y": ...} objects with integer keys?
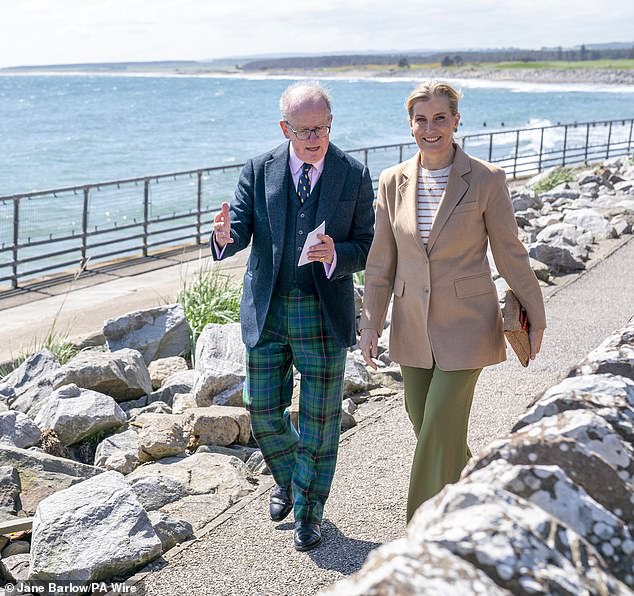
[{"x": 528, "y": 75}]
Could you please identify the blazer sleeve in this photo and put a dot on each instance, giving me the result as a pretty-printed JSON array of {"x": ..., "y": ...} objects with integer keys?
[
  {"x": 509, "y": 253},
  {"x": 381, "y": 264},
  {"x": 241, "y": 213}
]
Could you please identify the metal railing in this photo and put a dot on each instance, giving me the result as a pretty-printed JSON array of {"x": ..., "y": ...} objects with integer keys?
[{"x": 70, "y": 228}]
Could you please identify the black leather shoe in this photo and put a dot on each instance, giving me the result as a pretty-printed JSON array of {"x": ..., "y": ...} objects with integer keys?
[
  {"x": 306, "y": 536},
  {"x": 281, "y": 502}
]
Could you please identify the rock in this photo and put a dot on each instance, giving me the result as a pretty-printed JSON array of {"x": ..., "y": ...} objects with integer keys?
[
  {"x": 215, "y": 376},
  {"x": 42, "y": 475},
  {"x": 30, "y": 382},
  {"x": 256, "y": 464},
  {"x": 583, "y": 466},
  {"x": 218, "y": 425},
  {"x": 348, "y": 408},
  {"x": 591, "y": 221},
  {"x": 163, "y": 368},
  {"x": 119, "y": 452},
  {"x": 614, "y": 355},
  {"x": 356, "y": 377},
  {"x": 75, "y": 414},
  {"x": 182, "y": 402},
  {"x": 402, "y": 568},
  {"x": 560, "y": 260},
  {"x": 161, "y": 435},
  {"x": 158, "y": 483},
  {"x": 180, "y": 382},
  {"x": 517, "y": 544},
  {"x": 16, "y": 547},
  {"x": 220, "y": 342},
  {"x": 158, "y": 332},
  {"x": 540, "y": 270},
  {"x": 551, "y": 490},
  {"x": 242, "y": 452},
  {"x": 157, "y": 407},
  {"x": 170, "y": 531},
  {"x": 565, "y": 232},
  {"x": 18, "y": 430},
  {"x": 133, "y": 404},
  {"x": 9, "y": 493},
  {"x": 233, "y": 396},
  {"x": 92, "y": 531},
  {"x": 122, "y": 375},
  {"x": 15, "y": 568}
]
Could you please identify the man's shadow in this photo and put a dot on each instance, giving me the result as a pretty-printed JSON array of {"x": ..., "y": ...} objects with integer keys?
[{"x": 337, "y": 552}]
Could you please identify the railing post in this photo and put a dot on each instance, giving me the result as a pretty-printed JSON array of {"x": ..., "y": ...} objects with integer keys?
[
  {"x": 629, "y": 140},
  {"x": 199, "y": 207},
  {"x": 541, "y": 150},
  {"x": 563, "y": 156},
  {"x": 400, "y": 153},
  {"x": 607, "y": 151},
  {"x": 585, "y": 154},
  {"x": 517, "y": 148},
  {"x": 84, "y": 230},
  {"x": 490, "y": 146},
  {"x": 365, "y": 158},
  {"x": 16, "y": 241},
  {"x": 146, "y": 214}
]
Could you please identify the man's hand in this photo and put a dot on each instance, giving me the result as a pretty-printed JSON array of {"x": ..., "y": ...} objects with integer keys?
[
  {"x": 222, "y": 227},
  {"x": 323, "y": 252},
  {"x": 369, "y": 344},
  {"x": 535, "y": 340}
]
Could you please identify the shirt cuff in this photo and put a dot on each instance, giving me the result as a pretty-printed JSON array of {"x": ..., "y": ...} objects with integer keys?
[
  {"x": 329, "y": 268},
  {"x": 218, "y": 250}
]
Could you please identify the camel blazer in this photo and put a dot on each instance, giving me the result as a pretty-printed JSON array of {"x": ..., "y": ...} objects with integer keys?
[{"x": 446, "y": 309}]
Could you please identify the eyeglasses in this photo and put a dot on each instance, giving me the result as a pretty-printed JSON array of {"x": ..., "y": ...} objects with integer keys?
[{"x": 303, "y": 134}]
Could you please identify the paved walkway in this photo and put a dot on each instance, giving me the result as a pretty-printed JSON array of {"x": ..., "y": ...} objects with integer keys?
[{"x": 243, "y": 553}]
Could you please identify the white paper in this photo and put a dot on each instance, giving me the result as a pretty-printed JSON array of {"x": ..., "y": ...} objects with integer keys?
[{"x": 311, "y": 240}]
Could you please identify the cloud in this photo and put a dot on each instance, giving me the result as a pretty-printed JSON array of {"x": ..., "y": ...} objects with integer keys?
[{"x": 45, "y": 31}]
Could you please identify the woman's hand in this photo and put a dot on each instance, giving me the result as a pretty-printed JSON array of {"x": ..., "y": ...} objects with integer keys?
[
  {"x": 535, "y": 340},
  {"x": 369, "y": 344}
]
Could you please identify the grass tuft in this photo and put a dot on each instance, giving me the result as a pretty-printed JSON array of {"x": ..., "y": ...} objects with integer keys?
[{"x": 556, "y": 177}]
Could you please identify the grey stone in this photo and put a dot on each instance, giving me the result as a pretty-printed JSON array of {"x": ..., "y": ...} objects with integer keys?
[
  {"x": 157, "y": 332},
  {"x": 30, "y": 382},
  {"x": 15, "y": 568},
  {"x": 42, "y": 474},
  {"x": 218, "y": 425},
  {"x": 169, "y": 530},
  {"x": 163, "y": 368},
  {"x": 161, "y": 435},
  {"x": 16, "y": 547},
  {"x": 10, "y": 489},
  {"x": 560, "y": 260},
  {"x": 119, "y": 452},
  {"x": 180, "y": 382},
  {"x": 356, "y": 376},
  {"x": 591, "y": 221},
  {"x": 18, "y": 430},
  {"x": 122, "y": 374},
  {"x": 75, "y": 414},
  {"x": 215, "y": 376},
  {"x": 92, "y": 531},
  {"x": 220, "y": 342},
  {"x": 182, "y": 402}
]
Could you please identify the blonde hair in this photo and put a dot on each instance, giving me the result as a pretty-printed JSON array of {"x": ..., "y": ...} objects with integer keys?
[
  {"x": 426, "y": 90},
  {"x": 300, "y": 91}
]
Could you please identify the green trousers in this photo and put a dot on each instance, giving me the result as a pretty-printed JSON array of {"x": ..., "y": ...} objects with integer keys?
[{"x": 438, "y": 404}]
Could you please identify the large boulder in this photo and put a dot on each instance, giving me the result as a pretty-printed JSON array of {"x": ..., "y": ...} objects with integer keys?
[
  {"x": 215, "y": 378},
  {"x": 217, "y": 425},
  {"x": 122, "y": 375},
  {"x": 221, "y": 342},
  {"x": 30, "y": 382},
  {"x": 160, "y": 435},
  {"x": 157, "y": 332},
  {"x": 92, "y": 531},
  {"x": 75, "y": 414},
  {"x": 42, "y": 474}
]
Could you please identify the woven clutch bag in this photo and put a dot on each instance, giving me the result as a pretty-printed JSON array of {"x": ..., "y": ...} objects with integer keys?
[{"x": 516, "y": 327}]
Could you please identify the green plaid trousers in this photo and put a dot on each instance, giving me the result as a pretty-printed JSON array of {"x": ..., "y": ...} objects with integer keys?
[{"x": 295, "y": 334}]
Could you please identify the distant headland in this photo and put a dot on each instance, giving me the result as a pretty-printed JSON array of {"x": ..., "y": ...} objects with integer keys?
[{"x": 593, "y": 65}]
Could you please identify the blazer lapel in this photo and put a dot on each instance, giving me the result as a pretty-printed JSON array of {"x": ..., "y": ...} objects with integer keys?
[
  {"x": 408, "y": 189},
  {"x": 276, "y": 192},
  {"x": 456, "y": 188},
  {"x": 332, "y": 179}
]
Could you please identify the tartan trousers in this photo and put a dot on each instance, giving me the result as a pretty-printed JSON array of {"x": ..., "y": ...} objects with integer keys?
[{"x": 295, "y": 334}]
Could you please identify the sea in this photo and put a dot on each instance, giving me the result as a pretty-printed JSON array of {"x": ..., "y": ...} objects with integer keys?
[{"x": 66, "y": 130}]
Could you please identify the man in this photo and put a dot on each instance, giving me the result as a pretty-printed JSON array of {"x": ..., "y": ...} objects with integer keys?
[{"x": 301, "y": 315}]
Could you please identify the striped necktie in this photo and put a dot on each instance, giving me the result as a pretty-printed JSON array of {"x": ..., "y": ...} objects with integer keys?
[{"x": 303, "y": 184}]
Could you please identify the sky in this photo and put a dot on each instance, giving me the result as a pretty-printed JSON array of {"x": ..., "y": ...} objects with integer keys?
[{"x": 37, "y": 32}]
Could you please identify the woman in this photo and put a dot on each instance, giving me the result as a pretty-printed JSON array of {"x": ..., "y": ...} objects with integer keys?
[{"x": 436, "y": 214}]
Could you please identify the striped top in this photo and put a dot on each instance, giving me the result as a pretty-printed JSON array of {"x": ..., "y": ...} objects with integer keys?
[{"x": 429, "y": 193}]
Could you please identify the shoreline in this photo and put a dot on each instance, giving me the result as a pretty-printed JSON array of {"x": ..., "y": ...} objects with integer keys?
[{"x": 547, "y": 76}]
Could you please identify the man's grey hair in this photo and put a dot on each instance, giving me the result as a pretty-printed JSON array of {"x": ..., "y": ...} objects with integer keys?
[{"x": 300, "y": 91}]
